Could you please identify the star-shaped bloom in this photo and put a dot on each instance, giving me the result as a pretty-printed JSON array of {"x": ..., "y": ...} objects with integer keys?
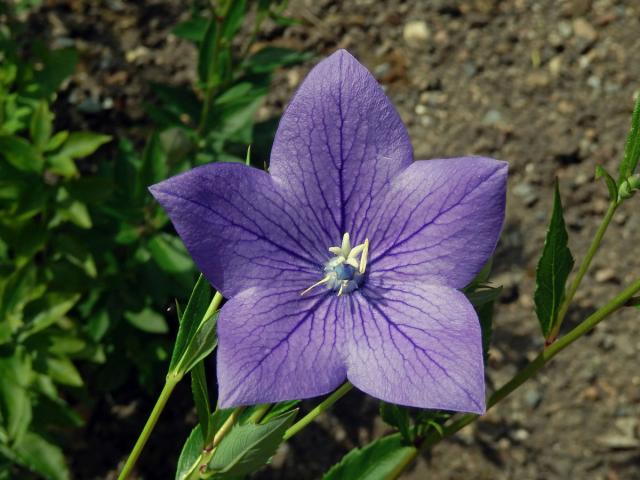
[{"x": 346, "y": 260}]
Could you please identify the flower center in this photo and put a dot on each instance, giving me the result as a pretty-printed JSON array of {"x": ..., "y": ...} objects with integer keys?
[{"x": 345, "y": 271}]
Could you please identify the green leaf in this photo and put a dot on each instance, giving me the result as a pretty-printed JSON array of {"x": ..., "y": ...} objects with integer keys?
[
  {"x": 191, "y": 320},
  {"x": 484, "y": 295},
  {"x": 553, "y": 269},
  {"x": 398, "y": 417},
  {"x": 62, "y": 370},
  {"x": 233, "y": 19},
  {"x": 611, "y": 183},
  {"x": 15, "y": 403},
  {"x": 190, "y": 454},
  {"x": 58, "y": 65},
  {"x": 21, "y": 154},
  {"x": 50, "y": 309},
  {"x": 280, "y": 408},
  {"x": 82, "y": 144},
  {"x": 632, "y": 146},
  {"x": 270, "y": 58},
  {"x": 200, "y": 394},
  {"x": 193, "y": 29},
  {"x": 56, "y": 141},
  {"x": 42, "y": 457},
  {"x": 485, "y": 315},
  {"x": 376, "y": 461},
  {"x": 205, "y": 56},
  {"x": 170, "y": 254},
  {"x": 41, "y": 125},
  {"x": 147, "y": 320},
  {"x": 248, "y": 447},
  {"x": 202, "y": 344}
]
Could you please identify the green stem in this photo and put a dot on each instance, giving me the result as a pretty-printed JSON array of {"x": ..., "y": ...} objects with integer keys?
[
  {"x": 584, "y": 266},
  {"x": 169, "y": 385},
  {"x": 321, "y": 407},
  {"x": 259, "y": 413},
  {"x": 173, "y": 378},
  {"x": 526, "y": 373}
]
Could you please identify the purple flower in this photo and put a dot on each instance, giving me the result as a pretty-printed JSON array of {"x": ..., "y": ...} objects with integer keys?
[{"x": 346, "y": 260}]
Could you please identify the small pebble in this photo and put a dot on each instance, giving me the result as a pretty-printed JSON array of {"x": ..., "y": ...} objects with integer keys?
[{"x": 416, "y": 34}]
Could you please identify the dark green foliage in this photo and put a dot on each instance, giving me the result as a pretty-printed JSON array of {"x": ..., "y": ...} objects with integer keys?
[{"x": 554, "y": 267}]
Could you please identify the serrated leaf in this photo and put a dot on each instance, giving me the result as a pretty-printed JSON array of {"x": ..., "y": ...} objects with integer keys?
[
  {"x": 611, "y": 183},
  {"x": 376, "y": 461},
  {"x": 632, "y": 146},
  {"x": 553, "y": 269},
  {"x": 190, "y": 454},
  {"x": 191, "y": 320},
  {"x": 248, "y": 447}
]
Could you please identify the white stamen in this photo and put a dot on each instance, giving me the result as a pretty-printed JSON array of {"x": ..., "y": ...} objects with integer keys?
[
  {"x": 363, "y": 258},
  {"x": 321, "y": 282}
]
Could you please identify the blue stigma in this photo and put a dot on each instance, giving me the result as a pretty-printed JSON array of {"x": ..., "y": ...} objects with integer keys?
[{"x": 343, "y": 276}]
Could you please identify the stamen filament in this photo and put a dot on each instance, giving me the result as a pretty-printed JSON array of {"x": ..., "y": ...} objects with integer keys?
[
  {"x": 321, "y": 282},
  {"x": 363, "y": 257}
]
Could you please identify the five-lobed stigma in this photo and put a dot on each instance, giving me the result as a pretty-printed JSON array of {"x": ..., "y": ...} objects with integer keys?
[{"x": 345, "y": 271}]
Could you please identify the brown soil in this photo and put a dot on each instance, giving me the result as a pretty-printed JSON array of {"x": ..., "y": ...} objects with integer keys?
[{"x": 546, "y": 85}]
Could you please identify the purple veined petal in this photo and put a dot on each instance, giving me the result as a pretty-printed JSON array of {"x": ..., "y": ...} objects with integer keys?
[
  {"x": 339, "y": 143},
  {"x": 277, "y": 345},
  {"x": 416, "y": 345},
  {"x": 439, "y": 221},
  {"x": 241, "y": 230}
]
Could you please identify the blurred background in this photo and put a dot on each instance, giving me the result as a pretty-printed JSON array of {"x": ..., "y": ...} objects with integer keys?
[{"x": 101, "y": 98}]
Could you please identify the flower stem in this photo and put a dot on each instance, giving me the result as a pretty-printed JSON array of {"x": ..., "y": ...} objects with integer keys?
[
  {"x": 584, "y": 266},
  {"x": 321, "y": 407},
  {"x": 172, "y": 379},
  {"x": 526, "y": 373},
  {"x": 169, "y": 385},
  {"x": 259, "y": 413}
]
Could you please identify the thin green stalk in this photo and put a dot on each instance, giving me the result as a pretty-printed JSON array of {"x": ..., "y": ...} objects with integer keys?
[
  {"x": 169, "y": 385},
  {"x": 321, "y": 407},
  {"x": 523, "y": 375},
  {"x": 259, "y": 413},
  {"x": 584, "y": 266},
  {"x": 172, "y": 379}
]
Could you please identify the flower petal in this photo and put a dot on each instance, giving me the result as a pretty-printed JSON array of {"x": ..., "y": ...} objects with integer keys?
[
  {"x": 339, "y": 143},
  {"x": 419, "y": 346},
  {"x": 439, "y": 222},
  {"x": 240, "y": 229},
  {"x": 276, "y": 345}
]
